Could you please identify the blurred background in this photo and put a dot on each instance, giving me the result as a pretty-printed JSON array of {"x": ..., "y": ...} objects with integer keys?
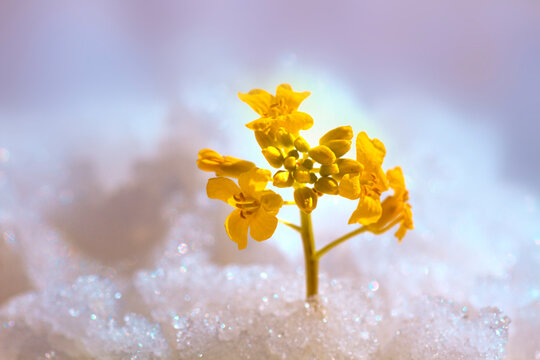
[{"x": 104, "y": 105}]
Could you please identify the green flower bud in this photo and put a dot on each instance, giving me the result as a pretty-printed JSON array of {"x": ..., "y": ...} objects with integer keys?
[
  {"x": 290, "y": 163},
  {"x": 273, "y": 156},
  {"x": 339, "y": 133},
  {"x": 283, "y": 179},
  {"x": 322, "y": 154},
  {"x": 327, "y": 185},
  {"x": 306, "y": 199},
  {"x": 301, "y": 145},
  {"x": 327, "y": 170},
  {"x": 339, "y": 147},
  {"x": 302, "y": 176}
]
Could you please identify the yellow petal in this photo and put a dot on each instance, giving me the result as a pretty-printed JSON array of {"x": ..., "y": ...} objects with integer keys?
[
  {"x": 296, "y": 121},
  {"x": 368, "y": 211},
  {"x": 262, "y": 225},
  {"x": 261, "y": 124},
  {"x": 406, "y": 224},
  {"x": 254, "y": 181},
  {"x": 259, "y": 100},
  {"x": 396, "y": 179},
  {"x": 349, "y": 187},
  {"x": 369, "y": 153},
  {"x": 391, "y": 209},
  {"x": 271, "y": 202},
  {"x": 292, "y": 100},
  {"x": 223, "y": 189},
  {"x": 237, "y": 228}
]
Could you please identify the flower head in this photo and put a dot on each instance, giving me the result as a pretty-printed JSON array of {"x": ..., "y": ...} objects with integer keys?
[
  {"x": 367, "y": 185},
  {"x": 395, "y": 208},
  {"x": 255, "y": 208},
  {"x": 277, "y": 111}
]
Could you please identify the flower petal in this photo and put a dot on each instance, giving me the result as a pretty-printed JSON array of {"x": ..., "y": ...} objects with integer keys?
[
  {"x": 396, "y": 180},
  {"x": 259, "y": 100},
  {"x": 262, "y": 225},
  {"x": 285, "y": 93},
  {"x": 223, "y": 189},
  {"x": 254, "y": 181},
  {"x": 349, "y": 187},
  {"x": 237, "y": 228},
  {"x": 271, "y": 202},
  {"x": 296, "y": 121},
  {"x": 261, "y": 124},
  {"x": 369, "y": 210},
  {"x": 369, "y": 153}
]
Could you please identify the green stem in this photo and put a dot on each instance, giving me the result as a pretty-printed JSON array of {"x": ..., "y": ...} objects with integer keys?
[
  {"x": 291, "y": 225},
  {"x": 312, "y": 261},
  {"x": 338, "y": 241}
]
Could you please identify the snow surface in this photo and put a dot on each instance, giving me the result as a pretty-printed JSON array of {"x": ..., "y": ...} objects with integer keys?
[{"x": 143, "y": 269}]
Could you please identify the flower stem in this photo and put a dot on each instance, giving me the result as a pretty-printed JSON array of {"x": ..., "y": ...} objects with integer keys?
[
  {"x": 333, "y": 244},
  {"x": 312, "y": 261},
  {"x": 291, "y": 225}
]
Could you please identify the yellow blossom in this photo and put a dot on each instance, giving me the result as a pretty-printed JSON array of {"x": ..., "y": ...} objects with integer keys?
[
  {"x": 255, "y": 207},
  {"x": 278, "y": 111},
  {"x": 210, "y": 160},
  {"x": 368, "y": 185},
  {"x": 395, "y": 208}
]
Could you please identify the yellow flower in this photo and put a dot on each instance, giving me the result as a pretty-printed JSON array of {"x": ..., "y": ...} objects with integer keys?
[
  {"x": 279, "y": 111},
  {"x": 368, "y": 185},
  {"x": 256, "y": 208},
  {"x": 210, "y": 160},
  {"x": 395, "y": 208}
]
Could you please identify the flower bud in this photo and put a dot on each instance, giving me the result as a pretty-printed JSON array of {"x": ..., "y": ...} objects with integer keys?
[
  {"x": 327, "y": 185},
  {"x": 339, "y": 133},
  {"x": 312, "y": 178},
  {"x": 273, "y": 156},
  {"x": 294, "y": 154},
  {"x": 327, "y": 170},
  {"x": 349, "y": 166},
  {"x": 307, "y": 164},
  {"x": 306, "y": 199},
  {"x": 302, "y": 176},
  {"x": 290, "y": 163},
  {"x": 285, "y": 138},
  {"x": 210, "y": 160},
  {"x": 322, "y": 154},
  {"x": 301, "y": 145},
  {"x": 339, "y": 147},
  {"x": 283, "y": 179},
  {"x": 264, "y": 139}
]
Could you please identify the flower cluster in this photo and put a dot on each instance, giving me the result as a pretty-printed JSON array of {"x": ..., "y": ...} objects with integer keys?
[{"x": 310, "y": 171}]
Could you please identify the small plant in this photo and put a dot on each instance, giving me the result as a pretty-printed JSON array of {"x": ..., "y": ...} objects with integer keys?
[{"x": 310, "y": 172}]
